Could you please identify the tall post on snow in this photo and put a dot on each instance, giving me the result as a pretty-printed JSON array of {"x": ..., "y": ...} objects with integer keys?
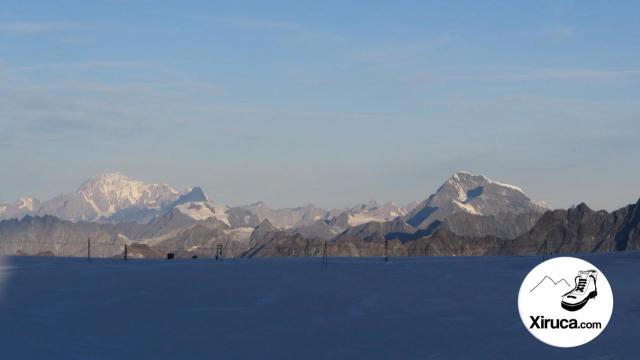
[
  {"x": 89, "y": 249},
  {"x": 386, "y": 250},
  {"x": 219, "y": 253},
  {"x": 324, "y": 256},
  {"x": 126, "y": 253}
]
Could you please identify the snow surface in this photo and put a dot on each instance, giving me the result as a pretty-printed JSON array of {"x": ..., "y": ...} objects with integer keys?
[
  {"x": 199, "y": 210},
  {"x": 363, "y": 218},
  {"x": 409, "y": 308},
  {"x": 372, "y": 212},
  {"x": 26, "y": 203},
  {"x": 458, "y": 176},
  {"x": 466, "y": 207},
  {"x": 508, "y": 186}
]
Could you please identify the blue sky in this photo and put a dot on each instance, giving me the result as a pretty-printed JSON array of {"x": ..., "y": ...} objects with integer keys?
[{"x": 329, "y": 102}]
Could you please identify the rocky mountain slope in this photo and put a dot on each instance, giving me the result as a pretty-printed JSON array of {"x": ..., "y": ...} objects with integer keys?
[
  {"x": 503, "y": 225},
  {"x": 578, "y": 229},
  {"x": 32, "y": 236},
  {"x": 370, "y": 212},
  {"x": 464, "y": 192},
  {"x": 582, "y": 229},
  {"x": 286, "y": 218}
]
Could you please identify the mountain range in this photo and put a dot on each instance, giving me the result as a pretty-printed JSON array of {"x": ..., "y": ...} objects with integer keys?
[
  {"x": 99, "y": 198},
  {"x": 468, "y": 215}
]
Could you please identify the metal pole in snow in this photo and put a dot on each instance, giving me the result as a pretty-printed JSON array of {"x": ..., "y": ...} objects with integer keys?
[
  {"x": 219, "y": 253},
  {"x": 88, "y": 249},
  {"x": 324, "y": 256},
  {"x": 386, "y": 250}
]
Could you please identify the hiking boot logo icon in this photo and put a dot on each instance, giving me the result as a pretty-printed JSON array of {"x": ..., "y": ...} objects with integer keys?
[
  {"x": 565, "y": 301},
  {"x": 585, "y": 289}
]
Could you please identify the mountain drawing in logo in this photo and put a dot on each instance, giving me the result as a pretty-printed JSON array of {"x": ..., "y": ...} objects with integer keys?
[{"x": 550, "y": 285}]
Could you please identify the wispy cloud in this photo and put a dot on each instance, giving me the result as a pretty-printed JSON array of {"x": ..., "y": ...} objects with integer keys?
[
  {"x": 260, "y": 24},
  {"x": 30, "y": 28},
  {"x": 560, "y": 32},
  {"x": 559, "y": 74},
  {"x": 297, "y": 34},
  {"x": 88, "y": 65},
  {"x": 36, "y": 111},
  {"x": 129, "y": 88},
  {"x": 4, "y": 143},
  {"x": 577, "y": 74},
  {"x": 402, "y": 55},
  {"x": 253, "y": 110}
]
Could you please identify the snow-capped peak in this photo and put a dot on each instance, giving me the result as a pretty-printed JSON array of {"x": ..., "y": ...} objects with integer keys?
[
  {"x": 461, "y": 174},
  {"x": 27, "y": 203},
  {"x": 102, "y": 179},
  {"x": 465, "y": 179},
  {"x": 472, "y": 194},
  {"x": 107, "y": 193},
  {"x": 508, "y": 186}
]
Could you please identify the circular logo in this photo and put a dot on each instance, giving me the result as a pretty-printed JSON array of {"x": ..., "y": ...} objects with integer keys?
[{"x": 565, "y": 302}]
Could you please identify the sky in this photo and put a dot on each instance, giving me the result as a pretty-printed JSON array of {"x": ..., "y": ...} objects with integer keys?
[{"x": 324, "y": 102}]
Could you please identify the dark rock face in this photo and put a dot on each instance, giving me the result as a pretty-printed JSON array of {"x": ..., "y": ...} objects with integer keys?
[
  {"x": 582, "y": 229},
  {"x": 286, "y": 218},
  {"x": 502, "y": 225},
  {"x": 628, "y": 237},
  {"x": 144, "y": 251},
  {"x": 38, "y": 235},
  {"x": 202, "y": 241},
  {"x": 266, "y": 240},
  {"x": 323, "y": 230},
  {"x": 579, "y": 229},
  {"x": 171, "y": 232},
  {"x": 445, "y": 243},
  {"x": 575, "y": 230},
  {"x": 241, "y": 217},
  {"x": 195, "y": 195},
  {"x": 377, "y": 231}
]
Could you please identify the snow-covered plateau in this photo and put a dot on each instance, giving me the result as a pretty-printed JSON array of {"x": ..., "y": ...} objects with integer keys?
[{"x": 407, "y": 308}]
